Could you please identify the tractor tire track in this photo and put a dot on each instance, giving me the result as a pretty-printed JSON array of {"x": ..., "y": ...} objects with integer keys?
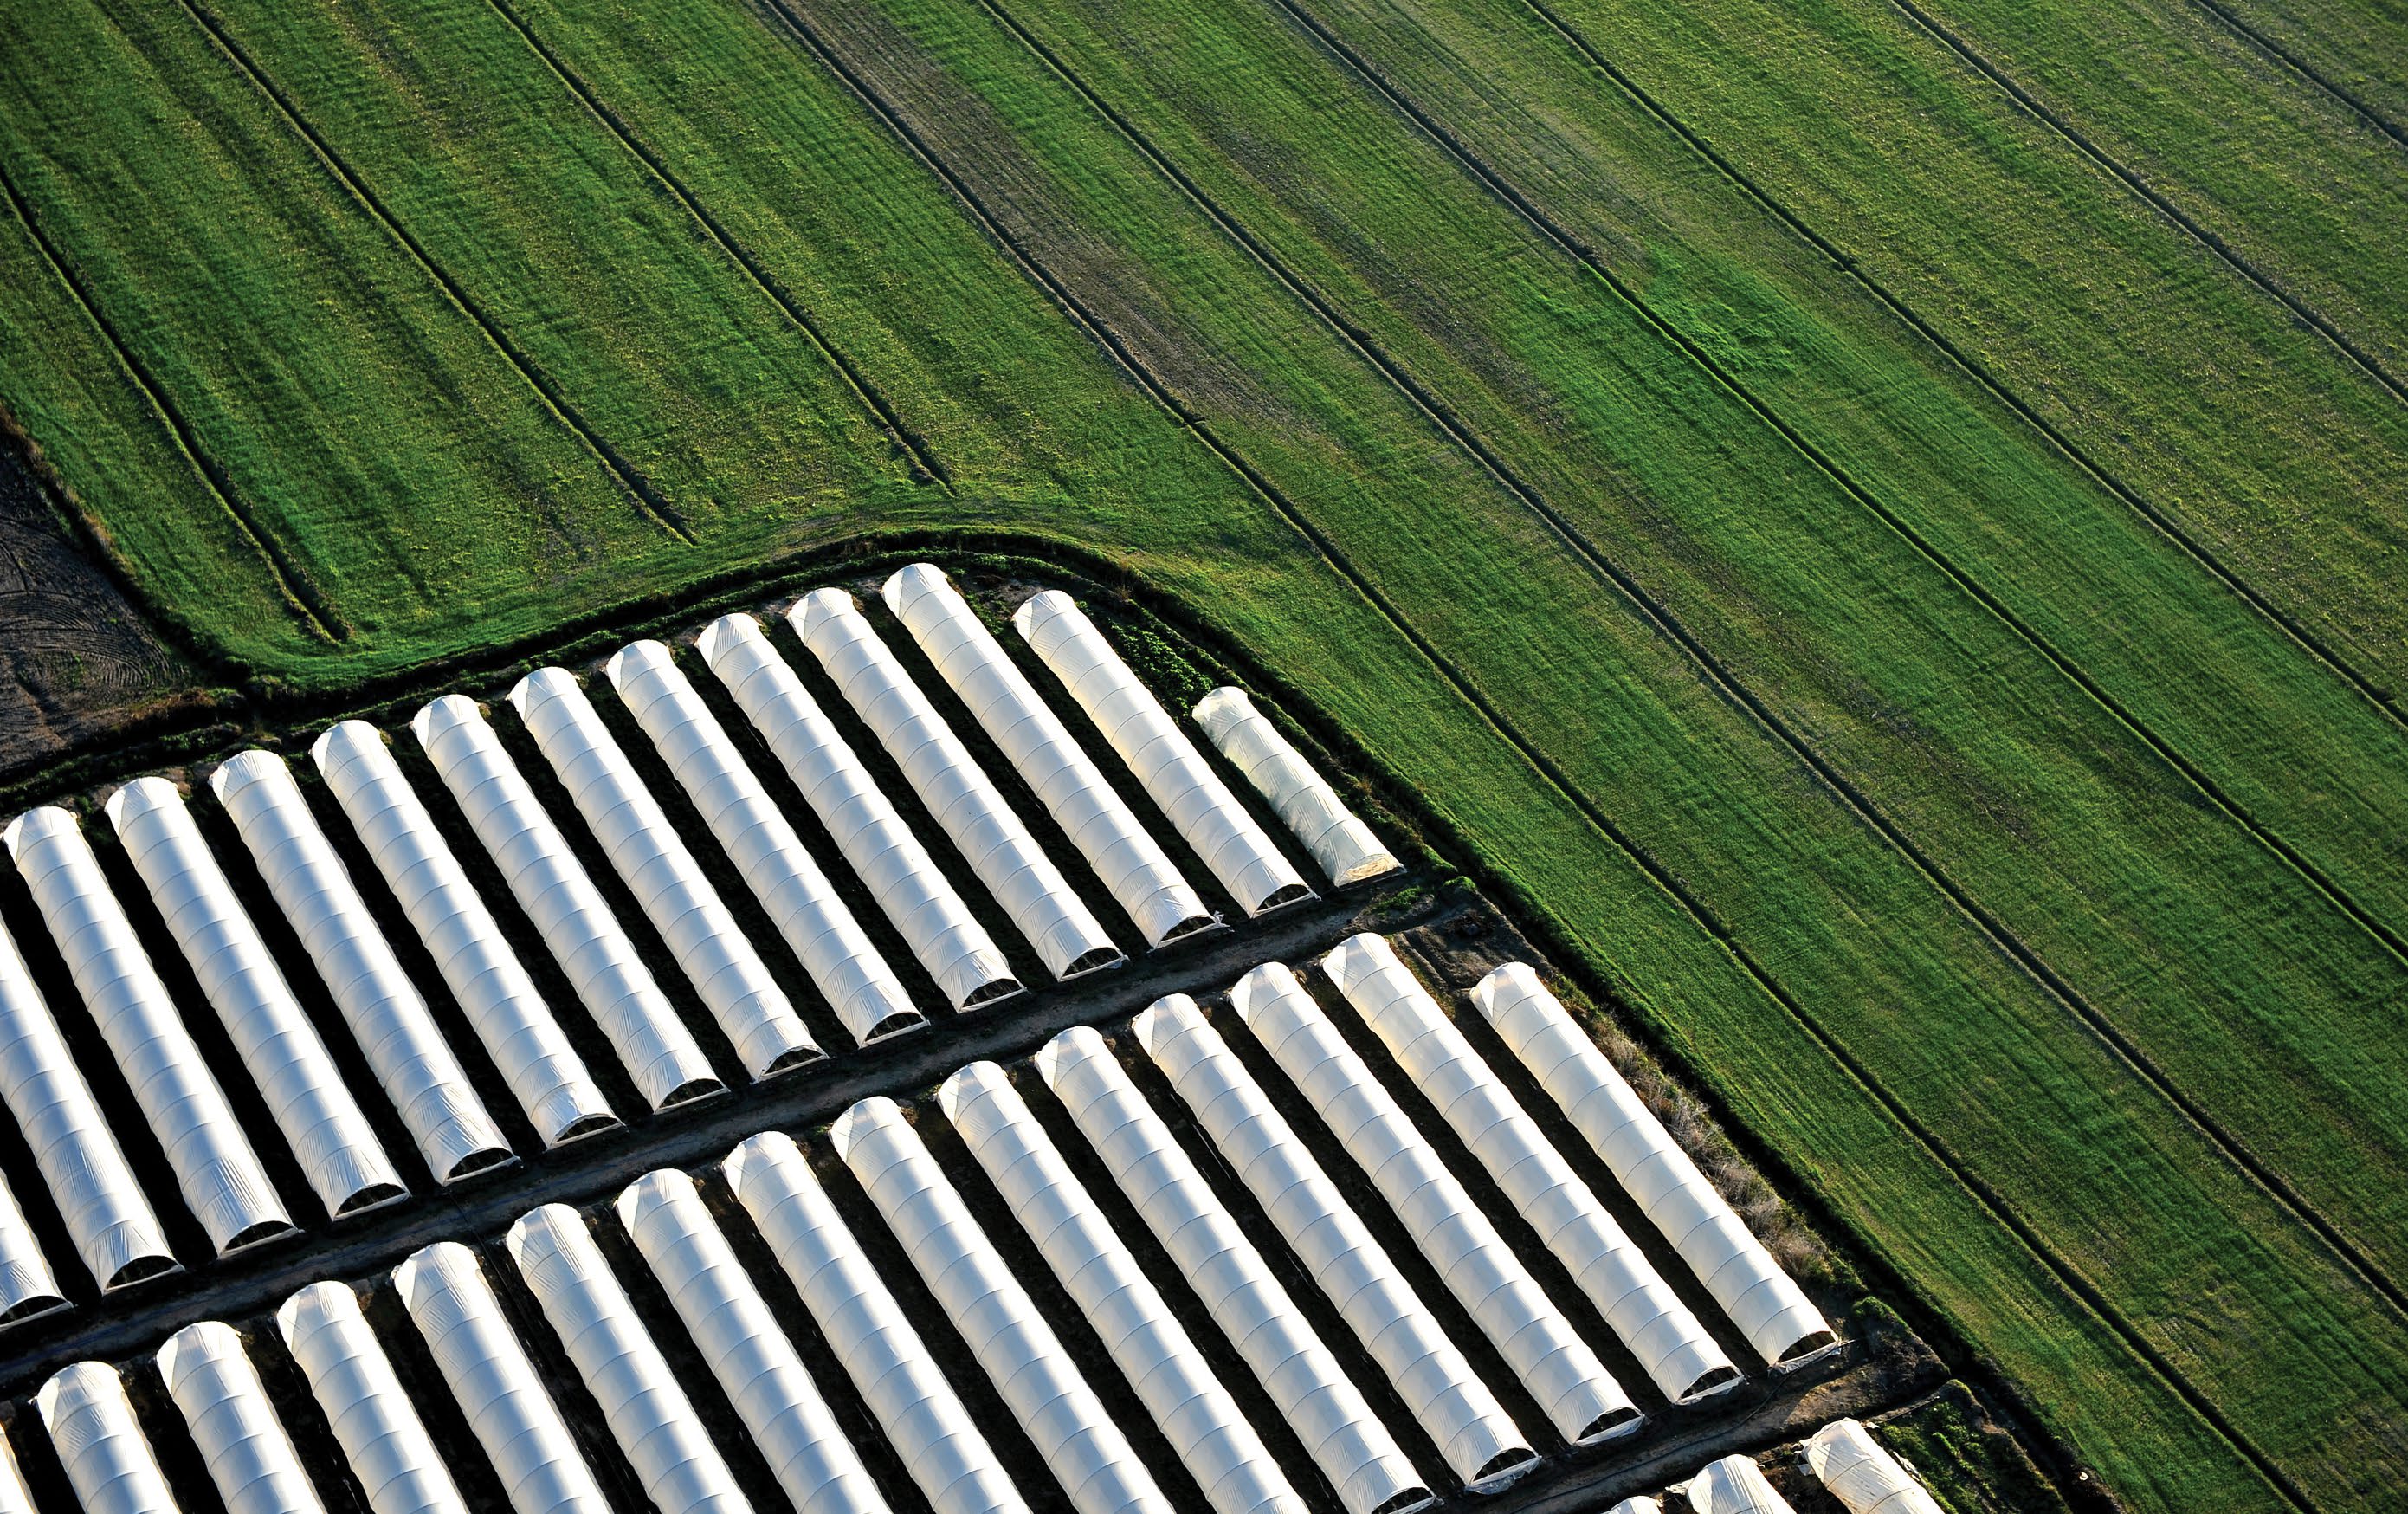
[
  {"x": 1726, "y": 681},
  {"x": 2198, "y": 551},
  {"x": 648, "y": 499},
  {"x": 2267, "y": 45},
  {"x": 864, "y": 389},
  {"x": 1727, "y": 684},
  {"x": 2224, "y": 251},
  {"x": 1085, "y": 319},
  {"x": 300, "y": 596}
]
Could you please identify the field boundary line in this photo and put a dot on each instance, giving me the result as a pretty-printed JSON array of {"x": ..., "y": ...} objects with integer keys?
[
  {"x": 2258, "y": 39},
  {"x": 648, "y": 500},
  {"x": 1727, "y": 684},
  {"x": 1972, "y": 58},
  {"x": 867, "y": 392},
  {"x": 2067, "y": 1275},
  {"x": 2006, "y": 940},
  {"x": 1847, "y": 264},
  {"x": 300, "y": 596}
]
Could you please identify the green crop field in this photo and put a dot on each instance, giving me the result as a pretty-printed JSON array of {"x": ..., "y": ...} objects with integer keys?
[{"x": 1881, "y": 521}]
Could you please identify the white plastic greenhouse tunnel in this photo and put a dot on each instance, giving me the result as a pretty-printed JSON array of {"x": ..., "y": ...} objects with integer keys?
[
  {"x": 486, "y": 1368},
  {"x": 801, "y": 901},
  {"x": 941, "y": 1447},
  {"x": 1333, "y": 835},
  {"x": 1862, "y": 1474},
  {"x": 543, "y": 1072},
  {"x": 577, "y": 924},
  {"x": 411, "y": 1061},
  {"x": 216, "y": 1171},
  {"x": 249, "y": 1455},
  {"x": 749, "y": 1355},
  {"x": 1471, "y": 1430},
  {"x": 711, "y": 948},
  {"x": 1768, "y": 1305},
  {"x": 1078, "y": 1436},
  {"x": 1132, "y": 865},
  {"x": 27, "y": 1288},
  {"x": 924, "y": 909},
  {"x": 1662, "y": 1333},
  {"x": 1561, "y": 1371},
  {"x": 1202, "y": 1423},
  {"x": 616, "y": 1359},
  {"x": 1236, "y": 1286},
  {"x": 1166, "y": 765},
  {"x": 107, "y": 1461},
  {"x": 115, "y": 1232},
  {"x": 374, "y": 1421},
  {"x": 952, "y": 788},
  {"x": 1734, "y": 1486},
  {"x": 313, "y": 1108}
]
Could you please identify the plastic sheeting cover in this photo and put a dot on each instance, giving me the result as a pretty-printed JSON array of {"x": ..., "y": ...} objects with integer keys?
[
  {"x": 543, "y": 1072},
  {"x": 1559, "y": 1368},
  {"x": 1134, "y": 867},
  {"x": 233, "y": 1424},
  {"x": 575, "y": 920},
  {"x": 115, "y": 1234},
  {"x": 1862, "y": 1474},
  {"x": 1472, "y": 1430},
  {"x": 1173, "y": 773},
  {"x": 890, "y": 1367},
  {"x": 28, "y": 1288},
  {"x": 781, "y": 873},
  {"x": 373, "y": 1420},
  {"x": 15, "y": 1497},
  {"x": 495, "y": 1386},
  {"x": 711, "y": 948},
  {"x": 1079, "y": 1438},
  {"x": 217, "y": 1172},
  {"x": 338, "y": 1152},
  {"x": 901, "y": 875},
  {"x": 107, "y": 1461},
  {"x": 1199, "y": 1418},
  {"x": 1336, "y": 838},
  {"x": 753, "y": 1361},
  {"x": 411, "y": 1061},
  {"x": 1662, "y": 1331},
  {"x": 1734, "y": 1486},
  {"x": 955, "y": 790},
  {"x": 1767, "y": 1305},
  {"x": 614, "y": 1357},
  {"x": 1228, "y": 1274}
]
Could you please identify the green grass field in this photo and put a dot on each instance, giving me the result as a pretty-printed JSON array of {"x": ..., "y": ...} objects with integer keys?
[{"x": 1922, "y": 617}]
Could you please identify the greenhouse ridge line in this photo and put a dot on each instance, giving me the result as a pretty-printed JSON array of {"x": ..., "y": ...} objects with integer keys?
[
  {"x": 1731, "y": 687},
  {"x": 2198, "y": 551},
  {"x": 863, "y": 388},
  {"x": 300, "y": 597},
  {"x": 1972, "y": 58},
  {"x": 255, "y": 1281},
  {"x": 2067, "y": 1276},
  {"x": 648, "y": 500}
]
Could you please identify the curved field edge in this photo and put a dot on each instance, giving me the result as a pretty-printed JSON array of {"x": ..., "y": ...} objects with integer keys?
[{"x": 1930, "y": 1240}]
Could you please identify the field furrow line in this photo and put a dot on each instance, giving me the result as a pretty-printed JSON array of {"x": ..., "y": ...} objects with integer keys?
[
  {"x": 2235, "y": 1150},
  {"x": 1702, "y": 914},
  {"x": 794, "y": 310},
  {"x": 2199, "y": 552},
  {"x": 2232, "y": 258},
  {"x": 648, "y": 499},
  {"x": 2240, "y": 28},
  {"x": 293, "y": 585}
]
